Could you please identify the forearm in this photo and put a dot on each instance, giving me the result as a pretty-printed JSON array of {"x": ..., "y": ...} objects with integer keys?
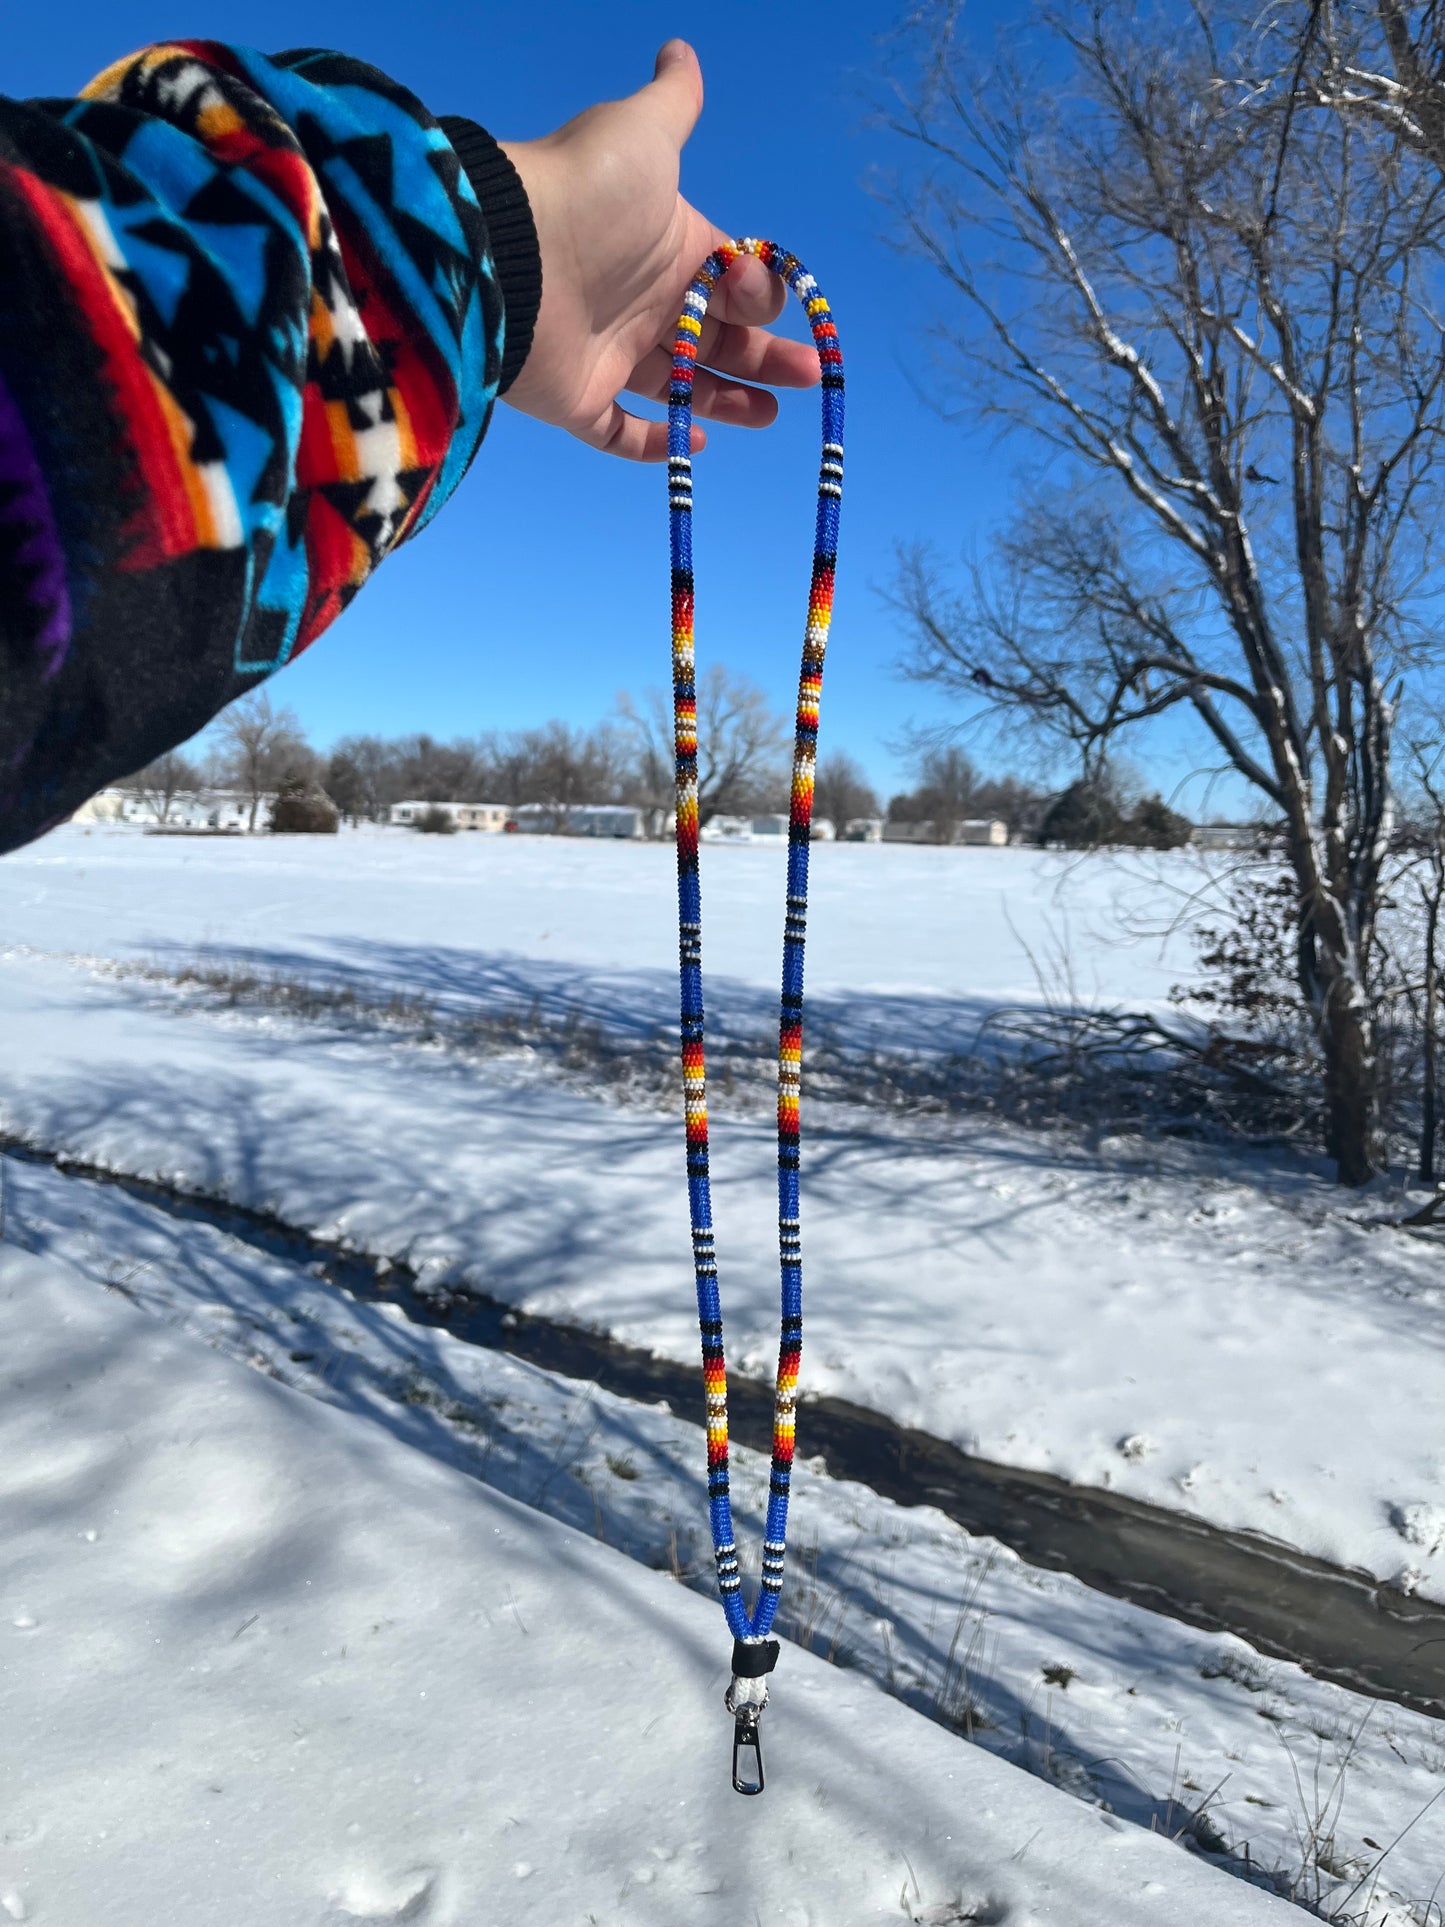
[{"x": 252, "y": 325}]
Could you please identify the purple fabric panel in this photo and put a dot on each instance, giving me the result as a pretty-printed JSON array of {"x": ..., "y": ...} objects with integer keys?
[{"x": 36, "y": 555}]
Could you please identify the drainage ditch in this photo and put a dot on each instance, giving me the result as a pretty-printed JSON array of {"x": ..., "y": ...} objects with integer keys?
[{"x": 1340, "y": 1624}]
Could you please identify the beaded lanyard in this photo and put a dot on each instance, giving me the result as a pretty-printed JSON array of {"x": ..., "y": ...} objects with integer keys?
[{"x": 754, "y": 1654}]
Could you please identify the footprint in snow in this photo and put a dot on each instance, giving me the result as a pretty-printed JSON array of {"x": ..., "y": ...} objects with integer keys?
[{"x": 380, "y": 1900}]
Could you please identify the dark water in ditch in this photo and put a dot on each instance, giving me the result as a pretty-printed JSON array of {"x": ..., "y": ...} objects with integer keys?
[{"x": 1340, "y": 1624}]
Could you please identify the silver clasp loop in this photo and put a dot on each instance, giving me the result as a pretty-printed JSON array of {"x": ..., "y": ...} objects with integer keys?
[
  {"x": 753, "y": 1660},
  {"x": 747, "y": 1774}
]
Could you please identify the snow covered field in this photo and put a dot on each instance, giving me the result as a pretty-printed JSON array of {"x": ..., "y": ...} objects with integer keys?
[
  {"x": 915, "y": 944},
  {"x": 1195, "y": 1328},
  {"x": 1216, "y": 1334},
  {"x": 262, "y": 1662},
  {"x": 1159, "y": 1723}
]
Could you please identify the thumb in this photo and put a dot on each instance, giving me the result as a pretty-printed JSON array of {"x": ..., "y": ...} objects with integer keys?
[{"x": 674, "y": 94}]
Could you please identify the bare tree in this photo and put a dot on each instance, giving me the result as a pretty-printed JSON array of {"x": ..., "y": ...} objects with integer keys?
[
  {"x": 556, "y": 764},
  {"x": 948, "y": 785},
  {"x": 434, "y": 772},
  {"x": 648, "y": 732},
  {"x": 950, "y": 789},
  {"x": 1214, "y": 310},
  {"x": 1395, "y": 78},
  {"x": 160, "y": 782},
  {"x": 1421, "y": 844},
  {"x": 262, "y": 747},
  {"x": 361, "y": 777},
  {"x": 841, "y": 791},
  {"x": 741, "y": 746},
  {"x": 563, "y": 767}
]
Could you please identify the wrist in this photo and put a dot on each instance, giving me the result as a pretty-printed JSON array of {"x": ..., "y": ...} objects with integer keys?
[
  {"x": 501, "y": 190},
  {"x": 530, "y": 160}
]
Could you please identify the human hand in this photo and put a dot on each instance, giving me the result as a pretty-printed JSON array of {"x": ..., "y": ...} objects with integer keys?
[{"x": 619, "y": 246}]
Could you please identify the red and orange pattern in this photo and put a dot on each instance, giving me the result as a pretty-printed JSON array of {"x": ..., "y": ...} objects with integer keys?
[{"x": 251, "y": 339}]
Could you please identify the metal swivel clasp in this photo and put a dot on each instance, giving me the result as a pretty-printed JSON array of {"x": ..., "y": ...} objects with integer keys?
[
  {"x": 747, "y": 1776},
  {"x": 753, "y": 1660}
]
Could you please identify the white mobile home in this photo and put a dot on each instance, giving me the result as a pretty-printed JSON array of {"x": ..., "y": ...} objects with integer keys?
[
  {"x": 206, "y": 809},
  {"x": 614, "y": 820},
  {"x": 984, "y": 830},
  {"x": 1229, "y": 836},
  {"x": 772, "y": 828},
  {"x": 106, "y": 806},
  {"x": 491, "y": 817},
  {"x": 727, "y": 829}
]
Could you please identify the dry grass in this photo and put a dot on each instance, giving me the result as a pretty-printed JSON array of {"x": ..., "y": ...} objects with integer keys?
[{"x": 1098, "y": 1070}]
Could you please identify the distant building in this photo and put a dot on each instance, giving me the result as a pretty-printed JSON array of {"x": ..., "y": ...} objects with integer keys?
[
  {"x": 863, "y": 829},
  {"x": 205, "y": 809},
  {"x": 491, "y": 817},
  {"x": 823, "y": 830},
  {"x": 614, "y": 820},
  {"x": 727, "y": 829},
  {"x": 982, "y": 831},
  {"x": 1227, "y": 836},
  {"x": 223, "y": 810},
  {"x": 771, "y": 828},
  {"x": 106, "y": 806},
  {"x": 985, "y": 830}
]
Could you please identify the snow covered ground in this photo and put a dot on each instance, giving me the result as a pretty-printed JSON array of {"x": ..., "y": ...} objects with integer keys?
[
  {"x": 1202, "y": 1330},
  {"x": 261, "y": 1661},
  {"x": 1209, "y": 1332},
  {"x": 1158, "y": 1722},
  {"x": 911, "y": 944}
]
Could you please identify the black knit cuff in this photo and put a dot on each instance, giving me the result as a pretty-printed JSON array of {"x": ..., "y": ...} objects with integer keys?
[{"x": 510, "y": 232}]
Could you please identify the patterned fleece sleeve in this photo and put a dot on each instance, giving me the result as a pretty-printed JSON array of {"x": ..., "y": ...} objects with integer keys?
[{"x": 253, "y": 320}]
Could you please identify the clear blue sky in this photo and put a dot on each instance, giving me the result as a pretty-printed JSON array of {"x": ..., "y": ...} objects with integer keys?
[{"x": 514, "y": 608}]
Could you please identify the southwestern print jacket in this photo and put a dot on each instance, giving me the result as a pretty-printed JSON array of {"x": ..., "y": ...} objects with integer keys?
[{"x": 254, "y": 315}]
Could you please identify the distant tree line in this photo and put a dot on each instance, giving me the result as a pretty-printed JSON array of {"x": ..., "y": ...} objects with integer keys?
[
  {"x": 951, "y": 791},
  {"x": 744, "y": 752},
  {"x": 1093, "y": 813},
  {"x": 253, "y": 747},
  {"x": 743, "y": 760}
]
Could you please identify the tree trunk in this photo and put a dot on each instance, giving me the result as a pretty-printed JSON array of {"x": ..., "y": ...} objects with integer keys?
[
  {"x": 1350, "y": 1093},
  {"x": 1427, "y": 1095},
  {"x": 1331, "y": 961}
]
